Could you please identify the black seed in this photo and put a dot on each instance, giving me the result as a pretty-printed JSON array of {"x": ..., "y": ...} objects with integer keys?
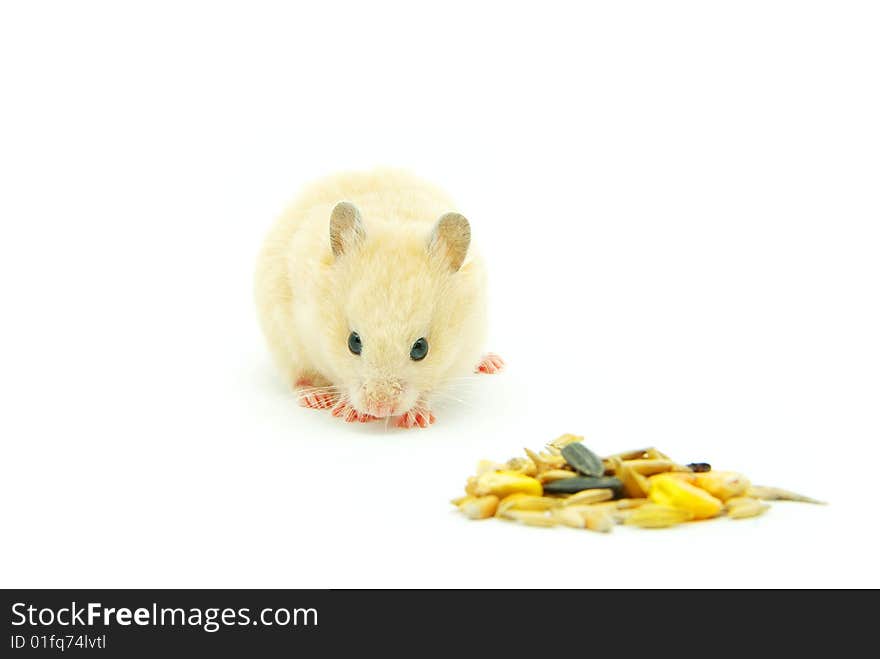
[{"x": 583, "y": 459}]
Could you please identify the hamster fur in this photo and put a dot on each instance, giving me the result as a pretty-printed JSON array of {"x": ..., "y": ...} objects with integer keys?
[{"x": 380, "y": 254}]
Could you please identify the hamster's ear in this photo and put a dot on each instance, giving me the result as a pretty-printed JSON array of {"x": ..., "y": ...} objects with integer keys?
[
  {"x": 450, "y": 239},
  {"x": 346, "y": 227}
]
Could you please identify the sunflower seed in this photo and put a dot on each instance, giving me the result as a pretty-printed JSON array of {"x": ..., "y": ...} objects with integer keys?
[{"x": 583, "y": 459}]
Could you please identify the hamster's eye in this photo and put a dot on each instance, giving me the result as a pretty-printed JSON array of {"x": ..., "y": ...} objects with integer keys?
[
  {"x": 419, "y": 350},
  {"x": 354, "y": 343}
]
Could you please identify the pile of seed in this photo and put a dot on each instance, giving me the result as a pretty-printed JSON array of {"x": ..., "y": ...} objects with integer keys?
[{"x": 567, "y": 484}]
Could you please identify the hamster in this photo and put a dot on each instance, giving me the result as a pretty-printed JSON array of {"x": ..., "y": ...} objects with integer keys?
[{"x": 372, "y": 297}]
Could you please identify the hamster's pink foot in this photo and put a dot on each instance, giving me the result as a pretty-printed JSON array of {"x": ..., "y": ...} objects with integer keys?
[
  {"x": 347, "y": 413},
  {"x": 416, "y": 417},
  {"x": 314, "y": 398},
  {"x": 491, "y": 363}
]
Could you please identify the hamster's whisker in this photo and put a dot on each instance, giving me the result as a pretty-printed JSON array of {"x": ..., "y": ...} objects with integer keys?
[
  {"x": 446, "y": 385},
  {"x": 305, "y": 392},
  {"x": 445, "y": 396},
  {"x": 328, "y": 387}
]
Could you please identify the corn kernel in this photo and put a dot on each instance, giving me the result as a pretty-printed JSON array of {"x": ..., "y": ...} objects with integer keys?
[
  {"x": 677, "y": 493},
  {"x": 503, "y": 482},
  {"x": 722, "y": 484}
]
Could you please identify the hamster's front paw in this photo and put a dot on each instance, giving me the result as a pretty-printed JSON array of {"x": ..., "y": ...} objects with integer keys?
[
  {"x": 347, "y": 413},
  {"x": 417, "y": 416},
  {"x": 316, "y": 398},
  {"x": 491, "y": 363}
]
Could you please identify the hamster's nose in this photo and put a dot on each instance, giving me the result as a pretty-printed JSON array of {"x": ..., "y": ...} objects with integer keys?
[{"x": 381, "y": 396}]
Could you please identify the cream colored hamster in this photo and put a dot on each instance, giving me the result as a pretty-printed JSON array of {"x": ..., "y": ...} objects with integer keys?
[{"x": 372, "y": 297}]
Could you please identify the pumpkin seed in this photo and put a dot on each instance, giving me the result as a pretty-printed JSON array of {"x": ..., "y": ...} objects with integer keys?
[
  {"x": 583, "y": 459},
  {"x": 581, "y": 483}
]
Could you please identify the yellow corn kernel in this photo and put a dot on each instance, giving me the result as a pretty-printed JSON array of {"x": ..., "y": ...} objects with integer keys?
[
  {"x": 479, "y": 507},
  {"x": 677, "y": 493},
  {"x": 503, "y": 482},
  {"x": 722, "y": 484},
  {"x": 686, "y": 476}
]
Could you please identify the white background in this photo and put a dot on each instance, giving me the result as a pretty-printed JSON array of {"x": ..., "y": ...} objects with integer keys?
[{"x": 679, "y": 206}]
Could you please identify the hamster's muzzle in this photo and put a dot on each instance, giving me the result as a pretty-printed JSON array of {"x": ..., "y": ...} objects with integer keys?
[{"x": 382, "y": 396}]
